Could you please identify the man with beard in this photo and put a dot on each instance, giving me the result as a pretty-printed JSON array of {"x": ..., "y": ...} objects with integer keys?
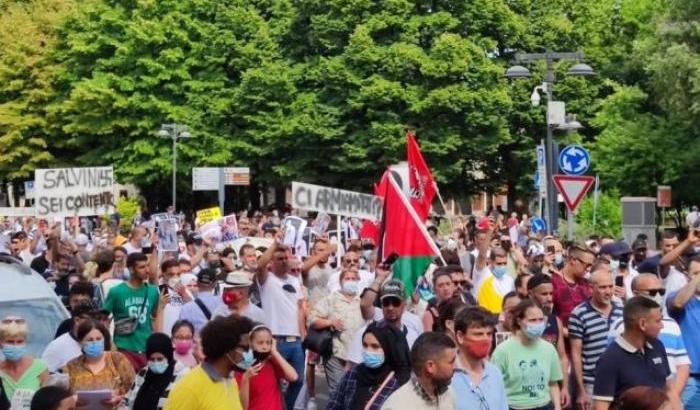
[
  {"x": 541, "y": 292},
  {"x": 433, "y": 359},
  {"x": 589, "y": 325},
  {"x": 226, "y": 346}
]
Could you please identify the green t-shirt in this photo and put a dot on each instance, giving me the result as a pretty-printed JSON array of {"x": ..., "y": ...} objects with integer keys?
[
  {"x": 527, "y": 371},
  {"x": 124, "y": 301}
]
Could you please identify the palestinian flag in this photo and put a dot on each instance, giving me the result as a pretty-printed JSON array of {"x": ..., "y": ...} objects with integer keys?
[{"x": 403, "y": 232}]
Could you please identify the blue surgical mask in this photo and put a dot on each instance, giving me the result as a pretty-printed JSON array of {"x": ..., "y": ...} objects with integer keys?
[
  {"x": 246, "y": 362},
  {"x": 94, "y": 349},
  {"x": 14, "y": 353},
  {"x": 158, "y": 367},
  {"x": 535, "y": 330},
  {"x": 499, "y": 271},
  {"x": 615, "y": 264},
  {"x": 373, "y": 360},
  {"x": 351, "y": 287}
]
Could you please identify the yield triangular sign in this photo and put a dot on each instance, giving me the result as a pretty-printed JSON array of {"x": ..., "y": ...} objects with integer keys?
[{"x": 573, "y": 188}]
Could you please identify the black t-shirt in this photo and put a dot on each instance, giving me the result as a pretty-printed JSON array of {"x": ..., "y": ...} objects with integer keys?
[
  {"x": 63, "y": 328},
  {"x": 40, "y": 264},
  {"x": 551, "y": 332}
]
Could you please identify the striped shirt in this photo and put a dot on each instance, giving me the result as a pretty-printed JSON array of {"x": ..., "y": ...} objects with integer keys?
[
  {"x": 671, "y": 338},
  {"x": 592, "y": 328}
]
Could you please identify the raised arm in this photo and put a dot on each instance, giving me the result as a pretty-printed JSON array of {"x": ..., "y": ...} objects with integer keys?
[
  {"x": 369, "y": 296},
  {"x": 263, "y": 261}
]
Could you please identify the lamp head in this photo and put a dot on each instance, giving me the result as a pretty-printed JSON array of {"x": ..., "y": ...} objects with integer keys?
[
  {"x": 535, "y": 98},
  {"x": 517, "y": 71}
]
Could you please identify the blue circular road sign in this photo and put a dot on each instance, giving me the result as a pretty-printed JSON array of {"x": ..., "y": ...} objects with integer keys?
[{"x": 574, "y": 160}]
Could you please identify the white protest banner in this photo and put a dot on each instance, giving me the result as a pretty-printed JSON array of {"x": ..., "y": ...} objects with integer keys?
[
  {"x": 65, "y": 192},
  {"x": 17, "y": 212},
  {"x": 336, "y": 201}
]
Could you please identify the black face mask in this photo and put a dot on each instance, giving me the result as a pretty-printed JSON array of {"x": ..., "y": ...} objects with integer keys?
[
  {"x": 536, "y": 269},
  {"x": 261, "y": 356}
]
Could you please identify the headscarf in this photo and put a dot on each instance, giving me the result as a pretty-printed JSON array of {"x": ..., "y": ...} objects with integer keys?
[
  {"x": 155, "y": 384},
  {"x": 397, "y": 356}
]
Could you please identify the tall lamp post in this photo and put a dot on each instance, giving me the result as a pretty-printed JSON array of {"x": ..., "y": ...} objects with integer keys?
[
  {"x": 519, "y": 71},
  {"x": 174, "y": 132}
]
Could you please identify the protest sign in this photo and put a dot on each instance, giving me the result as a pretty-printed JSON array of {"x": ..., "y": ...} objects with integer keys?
[
  {"x": 336, "y": 201},
  {"x": 207, "y": 215},
  {"x": 167, "y": 234},
  {"x": 65, "y": 192},
  {"x": 294, "y": 234},
  {"x": 320, "y": 225}
]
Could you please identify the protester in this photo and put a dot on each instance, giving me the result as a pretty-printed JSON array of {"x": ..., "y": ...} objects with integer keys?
[
  {"x": 493, "y": 287},
  {"x": 317, "y": 270},
  {"x": 235, "y": 294},
  {"x": 133, "y": 305},
  {"x": 530, "y": 366},
  {"x": 340, "y": 312},
  {"x": 433, "y": 358},
  {"x": 684, "y": 307},
  {"x": 52, "y": 398},
  {"x": 206, "y": 302},
  {"x": 651, "y": 286},
  {"x": 571, "y": 288},
  {"x": 21, "y": 374},
  {"x": 463, "y": 286},
  {"x": 226, "y": 346},
  {"x": 618, "y": 253},
  {"x": 183, "y": 342},
  {"x": 99, "y": 368},
  {"x": 444, "y": 289},
  {"x": 447, "y": 311},
  {"x": 589, "y": 325},
  {"x": 475, "y": 379},
  {"x": 504, "y": 327},
  {"x": 66, "y": 347},
  {"x": 80, "y": 293},
  {"x": 636, "y": 358},
  {"x": 154, "y": 382},
  {"x": 282, "y": 297},
  {"x": 260, "y": 383},
  {"x": 521, "y": 285},
  {"x": 384, "y": 368}
]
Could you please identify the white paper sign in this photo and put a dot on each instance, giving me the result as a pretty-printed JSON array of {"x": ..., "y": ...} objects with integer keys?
[
  {"x": 336, "y": 201},
  {"x": 17, "y": 212},
  {"x": 63, "y": 192}
]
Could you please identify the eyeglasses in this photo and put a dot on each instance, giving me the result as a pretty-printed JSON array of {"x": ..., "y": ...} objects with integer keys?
[
  {"x": 9, "y": 320},
  {"x": 653, "y": 292},
  {"x": 459, "y": 282},
  {"x": 352, "y": 261},
  {"x": 391, "y": 302},
  {"x": 584, "y": 263}
]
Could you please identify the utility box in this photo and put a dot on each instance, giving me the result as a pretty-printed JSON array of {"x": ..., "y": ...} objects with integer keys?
[{"x": 639, "y": 216}]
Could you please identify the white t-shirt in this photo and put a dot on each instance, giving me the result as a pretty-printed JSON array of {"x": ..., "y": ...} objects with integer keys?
[
  {"x": 281, "y": 306},
  {"x": 674, "y": 281},
  {"x": 26, "y": 256},
  {"x": 131, "y": 248},
  {"x": 354, "y": 354},
  {"x": 252, "y": 312},
  {"x": 61, "y": 351}
]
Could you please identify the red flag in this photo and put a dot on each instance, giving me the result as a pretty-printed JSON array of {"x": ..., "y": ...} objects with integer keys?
[
  {"x": 370, "y": 231},
  {"x": 403, "y": 232},
  {"x": 423, "y": 188},
  {"x": 380, "y": 188}
]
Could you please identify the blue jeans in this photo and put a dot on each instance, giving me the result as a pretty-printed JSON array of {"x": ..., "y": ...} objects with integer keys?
[
  {"x": 691, "y": 394},
  {"x": 294, "y": 354}
]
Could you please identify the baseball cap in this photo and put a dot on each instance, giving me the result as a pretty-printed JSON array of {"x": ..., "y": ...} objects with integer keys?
[
  {"x": 207, "y": 276},
  {"x": 535, "y": 249},
  {"x": 237, "y": 279},
  {"x": 393, "y": 289},
  {"x": 616, "y": 249}
]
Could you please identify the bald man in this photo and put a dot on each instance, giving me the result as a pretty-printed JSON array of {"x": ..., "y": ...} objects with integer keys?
[
  {"x": 650, "y": 286},
  {"x": 589, "y": 327}
]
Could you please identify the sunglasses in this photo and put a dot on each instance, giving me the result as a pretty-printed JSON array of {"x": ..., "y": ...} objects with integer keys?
[
  {"x": 584, "y": 263},
  {"x": 459, "y": 282},
  {"x": 352, "y": 261},
  {"x": 9, "y": 320},
  {"x": 391, "y": 302},
  {"x": 654, "y": 292}
]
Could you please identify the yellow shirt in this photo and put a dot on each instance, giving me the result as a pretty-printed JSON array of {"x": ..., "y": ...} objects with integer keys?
[
  {"x": 199, "y": 391},
  {"x": 489, "y": 298}
]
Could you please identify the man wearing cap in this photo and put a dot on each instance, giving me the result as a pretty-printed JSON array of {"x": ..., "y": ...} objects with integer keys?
[
  {"x": 393, "y": 312},
  {"x": 236, "y": 297},
  {"x": 618, "y": 253},
  {"x": 200, "y": 310}
]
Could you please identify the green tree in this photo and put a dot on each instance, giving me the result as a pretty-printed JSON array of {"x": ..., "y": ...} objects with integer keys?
[{"x": 608, "y": 215}]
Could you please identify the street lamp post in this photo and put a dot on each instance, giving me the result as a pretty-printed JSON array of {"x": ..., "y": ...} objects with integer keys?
[
  {"x": 174, "y": 132},
  {"x": 519, "y": 71}
]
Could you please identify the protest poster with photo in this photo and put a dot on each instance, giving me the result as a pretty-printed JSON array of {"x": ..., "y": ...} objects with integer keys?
[
  {"x": 63, "y": 192},
  {"x": 320, "y": 225},
  {"x": 167, "y": 235},
  {"x": 294, "y": 234}
]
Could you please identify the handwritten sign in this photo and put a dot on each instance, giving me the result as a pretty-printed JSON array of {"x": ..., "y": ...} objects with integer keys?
[
  {"x": 336, "y": 201},
  {"x": 208, "y": 215},
  {"x": 65, "y": 192}
]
